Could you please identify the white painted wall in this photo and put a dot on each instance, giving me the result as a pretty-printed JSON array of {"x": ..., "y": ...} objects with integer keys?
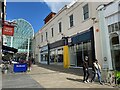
[
  {"x": 104, "y": 41},
  {"x": 107, "y": 16},
  {"x": 79, "y": 25},
  {"x": 112, "y": 8},
  {"x": 36, "y": 47}
]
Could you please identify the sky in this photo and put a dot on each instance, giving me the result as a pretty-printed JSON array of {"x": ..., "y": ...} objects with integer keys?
[{"x": 33, "y": 12}]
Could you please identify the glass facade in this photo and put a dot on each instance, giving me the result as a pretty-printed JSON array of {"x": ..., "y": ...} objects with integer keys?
[
  {"x": 82, "y": 46},
  {"x": 23, "y": 33},
  {"x": 56, "y": 55},
  {"x": 79, "y": 51}
]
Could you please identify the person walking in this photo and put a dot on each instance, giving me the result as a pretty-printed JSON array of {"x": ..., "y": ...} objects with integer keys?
[
  {"x": 85, "y": 70},
  {"x": 33, "y": 60},
  {"x": 29, "y": 64},
  {"x": 96, "y": 71}
]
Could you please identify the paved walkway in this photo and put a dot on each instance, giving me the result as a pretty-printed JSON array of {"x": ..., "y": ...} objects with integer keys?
[
  {"x": 19, "y": 80},
  {"x": 57, "y": 77}
]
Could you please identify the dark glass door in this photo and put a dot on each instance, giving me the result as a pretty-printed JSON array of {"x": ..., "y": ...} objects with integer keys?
[{"x": 82, "y": 50}]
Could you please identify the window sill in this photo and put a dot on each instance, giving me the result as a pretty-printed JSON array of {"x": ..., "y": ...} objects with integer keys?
[
  {"x": 71, "y": 27},
  {"x": 86, "y": 20},
  {"x": 59, "y": 33}
]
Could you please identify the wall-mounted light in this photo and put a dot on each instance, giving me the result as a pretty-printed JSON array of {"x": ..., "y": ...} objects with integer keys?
[{"x": 94, "y": 20}]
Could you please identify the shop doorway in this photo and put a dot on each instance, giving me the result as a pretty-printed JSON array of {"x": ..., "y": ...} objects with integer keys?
[
  {"x": 84, "y": 49},
  {"x": 115, "y": 51},
  {"x": 44, "y": 57},
  {"x": 56, "y": 56}
]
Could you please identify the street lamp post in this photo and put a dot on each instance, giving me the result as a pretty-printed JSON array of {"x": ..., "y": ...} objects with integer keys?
[{"x": 28, "y": 50}]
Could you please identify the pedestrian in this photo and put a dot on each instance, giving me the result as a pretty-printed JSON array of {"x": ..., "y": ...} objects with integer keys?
[
  {"x": 85, "y": 70},
  {"x": 10, "y": 61},
  {"x": 96, "y": 71},
  {"x": 29, "y": 64},
  {"x": 33, "y": 60}
]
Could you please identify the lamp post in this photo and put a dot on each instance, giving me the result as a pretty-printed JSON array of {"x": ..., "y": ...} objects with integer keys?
[{"x": 28, "y": 48}]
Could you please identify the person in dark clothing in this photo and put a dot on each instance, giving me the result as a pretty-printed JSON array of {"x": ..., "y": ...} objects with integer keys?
[
  {"x": 33, "y": 61},
  {"x": 29, "y": 64},
  {"x": 85, "y": 70}
]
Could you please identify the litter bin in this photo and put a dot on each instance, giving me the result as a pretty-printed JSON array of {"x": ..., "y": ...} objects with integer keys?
[{"x": 21, "y": 67}]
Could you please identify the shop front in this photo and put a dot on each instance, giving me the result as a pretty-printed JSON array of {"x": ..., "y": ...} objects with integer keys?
[
  {"x": 44, "y": 54},
  {"x": 82, "y": 45},
  {"x": 56, "y": 52}
]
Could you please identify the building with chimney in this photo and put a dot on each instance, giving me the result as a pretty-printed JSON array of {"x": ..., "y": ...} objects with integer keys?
[{"x": 70, "y": 35}]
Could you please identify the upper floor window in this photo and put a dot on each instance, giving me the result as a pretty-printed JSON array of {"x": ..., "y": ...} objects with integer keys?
[
  {"x": 71, "y": 20},
  {"x": 115, "y": 40},
  {"x": 41, "y": 38},
  {"x": 52, "y": 32},
  {"x": 86, "y": 11},
  {"x": 60, "y": 27},
  {"x": 46, "y": 35},
  {"x": 114, "y": 27}
]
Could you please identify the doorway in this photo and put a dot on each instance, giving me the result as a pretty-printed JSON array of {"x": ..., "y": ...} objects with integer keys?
[
  {"x": 84, "y": 49},
  {"x": 115, "y": 51}
]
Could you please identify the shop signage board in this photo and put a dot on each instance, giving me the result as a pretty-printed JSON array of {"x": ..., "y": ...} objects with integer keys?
[
  {"x": 8, "y": 30},
  {"x": 20, "y": 67},
  {"x": 45, "y": 48}
]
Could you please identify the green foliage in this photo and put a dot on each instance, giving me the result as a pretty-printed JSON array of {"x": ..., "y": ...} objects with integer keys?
[{"x": 118, "y": 77}]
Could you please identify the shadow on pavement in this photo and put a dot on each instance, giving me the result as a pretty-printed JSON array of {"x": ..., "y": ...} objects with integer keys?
[
  {"x": 60, "y": 68},
  {"x": 78, "y": 80}
]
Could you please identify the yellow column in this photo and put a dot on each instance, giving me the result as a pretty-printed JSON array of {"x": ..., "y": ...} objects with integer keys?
[{"x": 66, "y": 57}]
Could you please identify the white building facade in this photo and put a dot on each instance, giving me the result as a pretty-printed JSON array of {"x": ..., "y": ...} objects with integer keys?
[
  {"x": 109, "y": 17},
  {"x": 77, "y": 27}
]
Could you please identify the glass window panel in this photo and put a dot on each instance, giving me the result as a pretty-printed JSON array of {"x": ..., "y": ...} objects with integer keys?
[
  {"x": 116, "y": 26},
  {"x": 71, "y": 20},
  {"x": 109, "y": 28},
  {"x": 119, "y": 26},
  {"x": 41, "y": 38},
  {"x": 86, "y": 16},
  {"x": 112, "y": 28},
  {"x": 115, "y": 40},
  {"x": 86, "y": 12},
  {"x": 52, "y": 32},
  {"x": 60, "y": 27},
  {"x": 46, "y": 35}
]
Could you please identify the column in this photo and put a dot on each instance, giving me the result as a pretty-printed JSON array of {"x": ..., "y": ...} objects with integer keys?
[
  {"x": 28, "y": 49},
  {"x": 105, "y": 42},
  {"x": 11, "y": 45}
]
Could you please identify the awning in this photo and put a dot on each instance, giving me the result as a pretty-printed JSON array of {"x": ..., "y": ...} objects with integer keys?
[
  {"x": 82, "y": 37},
  {"x": 9, "y": 49}
]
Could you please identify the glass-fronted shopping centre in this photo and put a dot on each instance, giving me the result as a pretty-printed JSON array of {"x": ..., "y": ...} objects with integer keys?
[{"x": 22, "y": 39}]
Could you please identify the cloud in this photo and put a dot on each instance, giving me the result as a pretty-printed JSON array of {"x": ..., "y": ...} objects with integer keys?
[{"x": 56, "y": 5}]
